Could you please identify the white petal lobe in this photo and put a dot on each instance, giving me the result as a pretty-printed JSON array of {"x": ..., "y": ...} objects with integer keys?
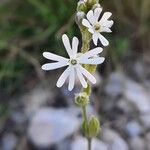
[
  {"x": 67, "y": 45},
  {"x": 103, "y": 40},
  {"x": 90, "y": 77},
  {"x": 97, "y": 13},
  {"x": 86, "y": 23},
  {"x": 90, "y": 17},
  {"x": 63, "y": 77},
  {"x": 54, "y": 57},
  {"x": 52, "y": 66},
  {"x": 81, "y": 78},
  {"x": 75, "y": 43},
  {"x": 71, "y": 79}
]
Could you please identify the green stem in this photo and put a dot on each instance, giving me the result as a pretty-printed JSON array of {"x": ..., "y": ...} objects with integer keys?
[{"x": 89, "y": 144}]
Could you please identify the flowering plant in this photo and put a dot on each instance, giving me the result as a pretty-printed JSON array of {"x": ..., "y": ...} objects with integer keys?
[{"x": 83, "y": 64}]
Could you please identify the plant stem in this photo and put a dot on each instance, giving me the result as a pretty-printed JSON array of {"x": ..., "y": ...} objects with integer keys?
[
  {"x": 84, "y": 113},
  {"x": 89, "y": 144}
]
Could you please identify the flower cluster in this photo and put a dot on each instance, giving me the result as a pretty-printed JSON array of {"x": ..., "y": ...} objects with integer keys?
[{"x": 95, "y": 26}]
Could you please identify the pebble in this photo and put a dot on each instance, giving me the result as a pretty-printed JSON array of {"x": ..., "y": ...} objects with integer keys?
[
  {"x": 50, "y": 126},
  {"x": 80, "y": 143},
  {"x": 113, "y": 139}
]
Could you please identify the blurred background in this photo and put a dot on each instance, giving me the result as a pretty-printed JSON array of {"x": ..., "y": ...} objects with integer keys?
[{"x": 35, "y": 115}]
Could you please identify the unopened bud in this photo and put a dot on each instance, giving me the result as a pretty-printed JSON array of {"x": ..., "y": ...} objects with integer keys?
[
  {"x": 94, "y": 127},
  {"x": 82, "y": 99},
  {"x": 81, "y": 6},
  {"x": 96, "y": 6},
  {"x": 92, "y": 2},
  {"x": 80, "y": 15}
]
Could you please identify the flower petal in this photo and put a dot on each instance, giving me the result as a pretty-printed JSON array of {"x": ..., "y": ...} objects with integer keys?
[
  {"x": 91, "y": 30},
  {"x": 54, "y": 57},
  {"x": 95, "y": 38},
  {"x": 52, "y": 66},
  {"x": 90, "y": 77},
  {"x": 90, "y": 17},
  {"x": 81, "y": 78},
  {"x": 90, "y": 53},
  {"x": 105, "y": 17},
  {"x": 67, "y": 45},
  {"x": 71, "y": 78},
  {"x": 103, "y": 40},
  {"x": 63, "y": 77},
  {"x": 105, "y": 29},
  {"x": 86, "y": 23},
  {"x": 93, "y": 61},
  {"x": 75, "y": 43},
  {"x": 97, "y": 13}
]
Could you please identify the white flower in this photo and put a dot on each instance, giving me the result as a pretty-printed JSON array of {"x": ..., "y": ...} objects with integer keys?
[
  {"x": 74, "y": 63},
  {"x": 96, "y": 26}
]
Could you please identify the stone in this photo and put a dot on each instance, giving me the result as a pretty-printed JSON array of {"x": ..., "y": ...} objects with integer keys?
[
  {"x": 49, "y": 126},
  {"x": 80, "y": 143},
  {"x": 9, "y": 141},
  {"x": 133, "y": 128},
  {"x": 114, "y": 87},
  {"x": 137, "y": 143},
  {"x": 137, "y": 95},
  {"x": 113, "y": 139},
  {"x": 37, "y": 98},
  {"x": 145, "y": 119}
]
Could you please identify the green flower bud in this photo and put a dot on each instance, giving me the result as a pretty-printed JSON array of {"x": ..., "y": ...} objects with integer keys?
[
  {"x": 93, "y": 127},
  {"x": 92, "y": 2},
  {"x": 96, "y": 6},
  {"x": 82, "y": 99},
  {"x": 82, "y": 7}
]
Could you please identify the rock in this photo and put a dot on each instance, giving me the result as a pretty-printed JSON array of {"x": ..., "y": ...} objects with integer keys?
[
  {"x": 80, "y": 143},
  {"x": 145, "y": 118},
  {"x": 124, "y": 105},
  {"x": 115, "y": 84},
  {"x": 50, "y": 126},
  {"x": 137, "y": 143},
  {"x": 36, "y": 98},
  {"x": 9, "y": 141},
  {"x": 113, "y": 139},
  {"x": 137, "y": 95},
  {"x": 133, "y": 128},
  {"x": 148, "y": 141}
]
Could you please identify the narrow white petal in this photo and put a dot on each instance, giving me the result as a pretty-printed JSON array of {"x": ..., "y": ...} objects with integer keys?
[
  {"x": 107, "y": 23},
  {"x": 95, "y": 38},
  {"x": 93, "y": 61},
  {"x": 91, "y": 53},
  {"x": 81, "y": 78},
  {"x": 91, "y": 30},
  {"x": 86, "y": 23},
  {"x": 54, "y": 57},
  {"x": 52, "y": 66},
  {"x": 71, "y": 78},
  {"x": 90, "y": 77},
  {"x": 103, "y": 40},
  {"x": 105, "y": 29},
  {"x": 63, "y": 77},
  {"x": 67, "y": 45},
  {"x": 97, "y": 13},
  {"x": 105, "y": 17},
  {"x": 75, "y": 43},
  {"x": 90, "y": 17}
]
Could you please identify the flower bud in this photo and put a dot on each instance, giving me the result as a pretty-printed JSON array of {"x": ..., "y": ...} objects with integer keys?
[
  {"x": 79, "y": 16},
  {"x": 81, "y": 6},
  {"x": 82, "y": 99},
  {"x": 92, "y": 2},
  {"x": 94, "y": 127},
  {"x": 96, "y": 6}
]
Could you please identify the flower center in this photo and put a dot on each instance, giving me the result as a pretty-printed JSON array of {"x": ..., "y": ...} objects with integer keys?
[
  {"x": 73, "y": 62},
  {"x": 97, "y": 26}
]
